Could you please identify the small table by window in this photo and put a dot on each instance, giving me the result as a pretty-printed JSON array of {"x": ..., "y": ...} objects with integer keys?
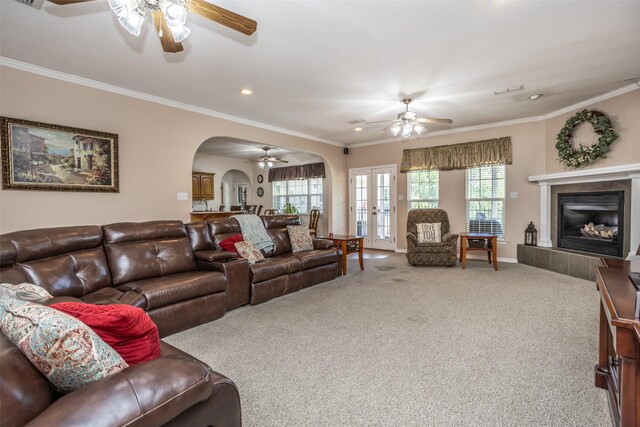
[
  {"x": 348, "y": 244},
  {"x": 484, "y": 242}
]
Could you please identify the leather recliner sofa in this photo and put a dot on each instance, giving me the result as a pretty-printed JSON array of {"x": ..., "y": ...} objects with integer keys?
[
  {"x": 174, "y": 390},
  {"x": 281, "y": 273},
  {"x": 149, "y": 265}
]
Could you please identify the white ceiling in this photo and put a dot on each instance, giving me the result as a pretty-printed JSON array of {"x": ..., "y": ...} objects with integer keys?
[
  {"x": 315, "y": 65},
  {"x": 251, "y": 151}
]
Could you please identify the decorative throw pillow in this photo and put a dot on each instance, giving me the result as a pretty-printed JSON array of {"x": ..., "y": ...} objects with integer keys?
[
  {"x": 127, "y": 329},
  {"x": 61, "y": 347},
  {"x": 429, "y": 233},
  {"x": 229, "y": 244},
  {"x": 249, "y": 251},
  {"x": 24, "y": 292},
  {"x": 300, "y": 238}
]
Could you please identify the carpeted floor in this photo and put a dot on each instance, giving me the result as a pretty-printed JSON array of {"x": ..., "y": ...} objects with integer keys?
[{"x": 396, "y": 345}]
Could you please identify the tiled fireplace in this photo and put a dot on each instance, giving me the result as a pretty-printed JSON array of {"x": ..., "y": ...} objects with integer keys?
[{"x": 602, "y": 218}]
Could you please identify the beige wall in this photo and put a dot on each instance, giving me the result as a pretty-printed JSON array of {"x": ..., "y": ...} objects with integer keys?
[
  {"x": 528, "y": 159},
  {"x": 624, "y": 113},
  {"x": 534, "y": 153},
  {"x": 157, "y": 147}
]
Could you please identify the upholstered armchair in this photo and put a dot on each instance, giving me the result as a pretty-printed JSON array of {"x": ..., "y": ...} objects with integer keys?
[{"x": 431, "y": 253}]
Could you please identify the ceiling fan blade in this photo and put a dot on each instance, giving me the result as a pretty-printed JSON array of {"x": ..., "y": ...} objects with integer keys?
[
  {"x": 166, "y": 38},
  {"x": 63, "y": 2},
  {"x": 380, "y": 121},
  {"x": 223, "y": 16},
  {"x": 431, "y": 120}
]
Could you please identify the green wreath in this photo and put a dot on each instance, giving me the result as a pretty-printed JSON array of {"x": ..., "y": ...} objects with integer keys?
[{"x": 585, "y": 155}]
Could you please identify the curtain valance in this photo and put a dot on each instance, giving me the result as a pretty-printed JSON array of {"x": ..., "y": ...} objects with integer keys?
[
  {"x": 458, "y": 156},
  {"x": 310, "y": 170}
]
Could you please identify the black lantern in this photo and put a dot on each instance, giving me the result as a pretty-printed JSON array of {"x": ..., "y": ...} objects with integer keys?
[{"x": 531, "y": 235}]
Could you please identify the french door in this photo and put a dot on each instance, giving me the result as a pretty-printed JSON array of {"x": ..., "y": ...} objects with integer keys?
[{"x": 372, "y": 206}]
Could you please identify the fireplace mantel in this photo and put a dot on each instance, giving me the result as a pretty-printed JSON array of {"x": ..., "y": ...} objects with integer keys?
[{"x": 614, "y": 173}]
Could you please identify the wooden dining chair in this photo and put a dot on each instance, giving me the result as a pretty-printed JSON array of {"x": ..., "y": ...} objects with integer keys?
[{"x": 314, "y": 216}]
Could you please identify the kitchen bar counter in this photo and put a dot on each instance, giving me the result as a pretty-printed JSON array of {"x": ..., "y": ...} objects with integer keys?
[{"x": 207, "y": 215}]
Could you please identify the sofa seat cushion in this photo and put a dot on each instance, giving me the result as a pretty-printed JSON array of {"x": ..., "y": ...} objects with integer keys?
[
  {"x": 165, "y": 290},
  {"x": 114, "y": 296},
  {"x": 274, "y": 267},
  {"x": 316, "y": 258}
]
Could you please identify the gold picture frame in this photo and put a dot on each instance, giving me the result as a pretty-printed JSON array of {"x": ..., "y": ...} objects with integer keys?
[{"x": 48, "y": 157}]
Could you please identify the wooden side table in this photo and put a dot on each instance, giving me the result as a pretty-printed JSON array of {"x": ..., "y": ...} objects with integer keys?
[
  {"x": 489, "y": 245},
  {"x": 342, "y": 242}
]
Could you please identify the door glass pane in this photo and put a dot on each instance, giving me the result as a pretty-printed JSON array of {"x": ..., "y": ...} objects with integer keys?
[
  {"x": 361, "y": 205},
  {"x": 383, "y": 211}
]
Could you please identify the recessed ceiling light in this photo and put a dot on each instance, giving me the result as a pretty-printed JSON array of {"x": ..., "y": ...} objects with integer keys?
[
  {"x": 246, "y": 91},
  {"x": 358, "y": 129},
  {"x": 535, "y": 96}
]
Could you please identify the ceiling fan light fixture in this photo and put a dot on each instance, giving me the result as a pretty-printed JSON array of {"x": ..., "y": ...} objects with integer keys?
[
  {"x": 122, "y": 7},
  {"x": 179, "y": 33},
  {"x": 261, "y": 164},
  {"x": 418, "y": 128},
  {"x": 395, "y": 129},
  {"x": 133, "y": 21}
]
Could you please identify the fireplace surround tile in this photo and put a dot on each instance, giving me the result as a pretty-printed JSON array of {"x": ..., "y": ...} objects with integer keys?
[{"x": 561, "y": 261}]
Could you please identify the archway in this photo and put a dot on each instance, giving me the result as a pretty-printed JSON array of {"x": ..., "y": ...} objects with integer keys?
[{"x": 234, "y": 162}]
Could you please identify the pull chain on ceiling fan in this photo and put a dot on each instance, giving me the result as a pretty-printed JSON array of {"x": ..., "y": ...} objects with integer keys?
[{"x": 170, "y": 16}]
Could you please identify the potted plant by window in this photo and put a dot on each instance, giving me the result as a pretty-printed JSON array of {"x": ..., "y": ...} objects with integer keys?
[{"x": 289, "y": 209}]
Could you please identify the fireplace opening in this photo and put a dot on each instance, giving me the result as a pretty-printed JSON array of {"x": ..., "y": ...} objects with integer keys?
[{"x": 592, "y": 222}]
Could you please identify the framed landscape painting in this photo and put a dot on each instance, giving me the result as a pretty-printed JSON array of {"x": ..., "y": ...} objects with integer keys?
[{"x": 42, "y": 156}]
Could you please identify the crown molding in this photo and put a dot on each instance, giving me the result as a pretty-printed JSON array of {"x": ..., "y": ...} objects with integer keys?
[
  {"x": 34, "y": 69},
  {"x": 570, "y": 108}
]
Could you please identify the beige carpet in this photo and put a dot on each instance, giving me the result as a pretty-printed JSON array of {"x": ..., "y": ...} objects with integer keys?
[{"x": 396, "y": 345}]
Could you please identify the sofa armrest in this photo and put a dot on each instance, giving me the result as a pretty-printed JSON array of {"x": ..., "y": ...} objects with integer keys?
[
  {"x": 449, "y": 237},
  {"x": 322, "y": 243},
  {"x": 412, "y": 238},
  {"x": 215, "y": 255},
  {"x": 149, "y": 394}
]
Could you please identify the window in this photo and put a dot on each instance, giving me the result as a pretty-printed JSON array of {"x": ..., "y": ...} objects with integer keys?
[
  {"x": 423, "y": 189},
  {"x": 485, "y": 200},
  {"x": 304, "y": 194},
  {"x": 241, "y": 194}
]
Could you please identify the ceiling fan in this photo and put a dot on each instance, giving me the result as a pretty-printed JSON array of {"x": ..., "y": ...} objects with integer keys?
[
  {"x": 169, "y": 17},
  {"x": 408, "y": 122},
  {"x": 266, "y": 161}
]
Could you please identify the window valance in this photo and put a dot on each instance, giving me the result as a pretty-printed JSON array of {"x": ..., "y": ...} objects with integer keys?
[
  {"x": 310, "y": 170},
  {"x": 458, "y": 156}
]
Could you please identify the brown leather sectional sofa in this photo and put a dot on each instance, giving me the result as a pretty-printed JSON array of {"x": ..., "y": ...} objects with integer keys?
[
  {"x": 281, "y": 273},
  {"x": 181, "y": 278}
]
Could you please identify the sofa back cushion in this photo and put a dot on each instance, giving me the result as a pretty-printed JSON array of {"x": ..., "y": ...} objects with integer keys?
[
  {"x": 143, "y": 250},
  {"x": 199, "y": 236},
  {"x": 276, "y": 226},
  {"x": 223, "y": 228},
  {"x": 66, "y": 261},
  {"x": 10, "y": 272}
]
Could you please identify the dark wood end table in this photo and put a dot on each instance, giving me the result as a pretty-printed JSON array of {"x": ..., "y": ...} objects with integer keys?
[
  {"x": 342, "y": 242},
  {"x": 489, "y": 245}
]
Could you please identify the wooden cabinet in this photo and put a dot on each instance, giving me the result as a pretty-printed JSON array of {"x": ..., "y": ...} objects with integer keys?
[
  {"x": 202, "y": 185},
  {"x": 617, "y": 370}
]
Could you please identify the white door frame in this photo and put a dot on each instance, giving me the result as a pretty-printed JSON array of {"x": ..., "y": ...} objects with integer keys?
[{"x": 369, "y": 242}]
